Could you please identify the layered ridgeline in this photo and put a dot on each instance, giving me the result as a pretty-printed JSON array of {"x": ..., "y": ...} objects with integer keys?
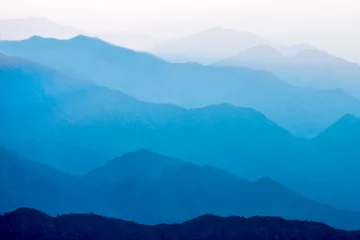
[
  {"x": 36, "y": 103},
  {"x": 42, "y": 106},
  {"x": 302, "y": 111},
  {"x": 208, "y": 46},
  {"x": 75, "y": 126},
  {"x": 150, "y": 188},
  {"x": 310, "y": 67},
  {"x": 215, "y": 44},
  {"x": 31, "y": 224},
  {"x": 340, "y": 141},
  {"x": 29, "y": 27},
  {"x": 33, "y": 26}
]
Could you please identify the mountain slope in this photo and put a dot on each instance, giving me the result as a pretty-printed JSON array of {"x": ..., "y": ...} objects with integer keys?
[
  {"x": 310, "y": 67},
  {"x": 34, "y": 108},
  {"x": 30, "y": 184},
  {"x": 337, "y": 166},
  {"x": 302, "y": 111},
  {"x": 340, "y": 140},
  {"x": 170, "y": 190},
  {"x": 151, "y": 188},
  {"x": 31, "y": 224},
  {"x": 62, "y": 111}
]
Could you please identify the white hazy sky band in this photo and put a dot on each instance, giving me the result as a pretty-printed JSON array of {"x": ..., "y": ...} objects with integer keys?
[{"x": 333, "y": 25}]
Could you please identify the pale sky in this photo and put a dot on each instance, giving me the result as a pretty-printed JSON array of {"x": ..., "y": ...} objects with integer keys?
[{"x": 333, "y": 25}]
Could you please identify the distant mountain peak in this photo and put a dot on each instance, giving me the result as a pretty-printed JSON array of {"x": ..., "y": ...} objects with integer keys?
[
  {"x": 27, "y": 27},
  {"x": 209, "y": 45},
  {"x": 352, "y": 116},
  {"x": 349, "y": 118},
  {"x": 84, "y": 37},
  {"x": 347, "y": 127},
  {"x": 143, "y": 152},
  {"x": 25, "y": 210},
  {"x": 228, "y": 107},
  {"x": 25, "y": 214},
  {"x": 36, "y": 37},
  {"x": 206, "y": 219},
  {"x": 145, "y": 156},
  {"x": 316, "y": 55},
  {"x": 39, "y": 38},
  {"x": 138, "y": 163}
]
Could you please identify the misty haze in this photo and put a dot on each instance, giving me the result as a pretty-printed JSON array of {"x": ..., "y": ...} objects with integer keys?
[{"x": 179, "y": 119}]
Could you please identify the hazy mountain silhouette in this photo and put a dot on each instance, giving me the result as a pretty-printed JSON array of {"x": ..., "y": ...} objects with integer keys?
[
  {"x": 65, "y": 157},
  {"x": 302, "y": 111},
  {"x": 75, "y": 125},
  {"x": 25, "y": 183},
  {"x": 29, "y": 27},
  {"x": 150, "y": 188},
  {"x": 339, "y": 145},
  {"x": 62, "y": 111},
  {"x": 33, "y": 107},
  {"x": 310, "y": 67},
  {"x": 208, "y": 46},
  {"x": 18, "y": 29},
  {"x": 211, "y": 190},
  {"x": 293, "y": 50},
  {"x": 111, "y": 123},
  {"x": 29, "y": 224},
  {"x": 347, "y": 127},
  {"x": 215, "y": 44}
]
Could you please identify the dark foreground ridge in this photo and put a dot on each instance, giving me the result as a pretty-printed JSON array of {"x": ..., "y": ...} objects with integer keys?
[{"x": 25, "y": 223}]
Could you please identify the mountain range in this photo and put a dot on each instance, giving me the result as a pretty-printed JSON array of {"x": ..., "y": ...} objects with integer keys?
[
  {"x": 207, "y": 46},
  {"x": 29, "y": 27},
  {"x": 150, "y": 188},
  {"x": 19, "y": 29},
  {"x": 75, "y": 126},
  {"x": 310, "y": 68},
  {"x": 303, "y": 111},
  {"x": 30, "y": 224},
  {"x": 216, "y": 124},
  {"x": 212, "y": 45}
]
